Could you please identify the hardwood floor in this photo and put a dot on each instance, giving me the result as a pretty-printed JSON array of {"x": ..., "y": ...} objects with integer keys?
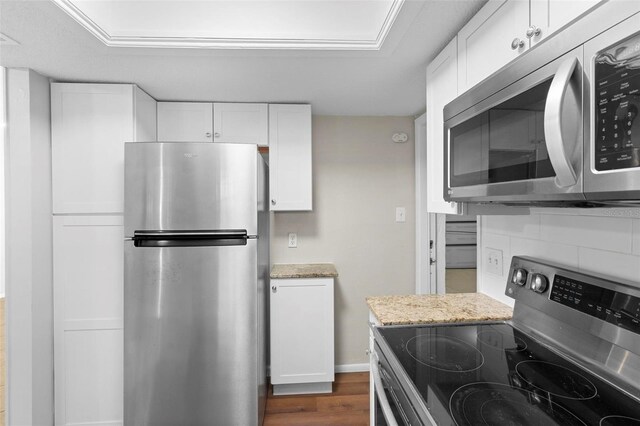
[{"x": 347, "y": 405}]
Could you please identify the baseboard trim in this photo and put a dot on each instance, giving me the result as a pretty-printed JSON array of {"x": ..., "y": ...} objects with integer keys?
[
  {"x": 344, "y": 368},
  {"x": 352, "y": 368}
]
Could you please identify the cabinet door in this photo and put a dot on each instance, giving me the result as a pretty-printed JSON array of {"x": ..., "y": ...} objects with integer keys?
[
  {"x": 145, "y": 117},
  {"x": 302, "y": 346},
  {"x": 89, "y": 125},
  {"x": 442, "y": 88},
  {"x": 550, "y": 15},
  {"x": 88, "y": 323},
  {"x": 241, "y": 123},
  {"x": 484, "y": 44},
  {"x": 185, "y": 121},
  {"x": 290, "y": 157}
]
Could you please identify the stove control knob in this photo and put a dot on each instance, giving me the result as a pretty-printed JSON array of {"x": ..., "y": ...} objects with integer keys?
[
  {"x": 538, "y": 283},
  {"x": 519, "y": 277}
]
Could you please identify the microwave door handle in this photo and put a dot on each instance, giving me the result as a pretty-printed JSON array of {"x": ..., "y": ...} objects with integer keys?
[{"x": 553, "y": 119}]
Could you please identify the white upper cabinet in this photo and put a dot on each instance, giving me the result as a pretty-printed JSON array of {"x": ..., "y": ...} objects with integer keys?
[
  {"x": 185, "y": 121},
  {"x": 89, "y": 125},
  {"x": 504, "y": 29},
  {"x": 442, "y": 88},
  {"x": 290, "y": 157},
  {"x": 548, "y": 16},
  {"x": 241, "y": 123},
  {"x": 492, "y": 38}
]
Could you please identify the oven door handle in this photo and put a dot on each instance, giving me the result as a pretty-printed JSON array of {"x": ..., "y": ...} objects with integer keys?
[
  {"x": 382, "y": 397},
  {"x": 559, "y": 145}
]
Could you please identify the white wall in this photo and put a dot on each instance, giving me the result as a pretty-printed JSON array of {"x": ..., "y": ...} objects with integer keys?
[
  {"x": 29, "y": 251},
  {"x": 359, "y": 177},
  {"x": 576, "y": 238}
]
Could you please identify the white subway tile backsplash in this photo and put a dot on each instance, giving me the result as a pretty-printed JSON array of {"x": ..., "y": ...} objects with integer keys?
[
  {"x": 635, "y": 249},
  {"x": 554, "y": 252},
  {"x": 617, "y": 265},
  {"x": 604, "y": 233},
  {"x": 527, "y": 226}
]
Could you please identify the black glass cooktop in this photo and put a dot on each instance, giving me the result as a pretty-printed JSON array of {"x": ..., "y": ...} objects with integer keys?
[{"x": 492, "y": 374}]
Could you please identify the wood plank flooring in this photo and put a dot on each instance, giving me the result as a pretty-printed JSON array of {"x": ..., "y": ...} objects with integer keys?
[{"x": 348, "y": 405}]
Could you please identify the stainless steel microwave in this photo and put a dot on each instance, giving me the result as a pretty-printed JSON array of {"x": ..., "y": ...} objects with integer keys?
[{"x": 558, "y": 126}]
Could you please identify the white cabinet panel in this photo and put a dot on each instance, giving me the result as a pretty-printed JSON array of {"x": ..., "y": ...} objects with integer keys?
[
  {"x": 88, "y": 319},
  {"x": 550, "y": 15},
  {"x": 442, "y": 88},
  {"x": 484, "y": 43},
  {"x": 185, "y": 121},
  {"x": 302, "y": 341},
  {"x": 93, "y": 377},
  {"x": 241, "y": 123},
  {"x": 90, "y": 124},
  {"x": 290, "y": 177}
]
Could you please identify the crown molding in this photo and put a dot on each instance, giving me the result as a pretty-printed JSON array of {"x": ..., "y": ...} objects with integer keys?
[{"x": 230, "y": 43}]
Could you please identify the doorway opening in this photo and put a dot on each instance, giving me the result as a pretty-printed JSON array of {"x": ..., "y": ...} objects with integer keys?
[{"x": 460, "y": 253}]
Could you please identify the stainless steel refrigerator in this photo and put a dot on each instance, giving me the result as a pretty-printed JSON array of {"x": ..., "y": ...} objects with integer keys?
[{"x": 196, "y": 273}]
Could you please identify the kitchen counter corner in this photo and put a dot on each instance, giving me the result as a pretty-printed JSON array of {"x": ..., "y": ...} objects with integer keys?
[{"x": 432, "y": 309}]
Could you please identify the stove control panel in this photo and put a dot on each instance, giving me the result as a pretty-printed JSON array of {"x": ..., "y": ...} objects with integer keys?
[
  {"x": 622, "y": 310},
  {"x": 544, "y": 286}
]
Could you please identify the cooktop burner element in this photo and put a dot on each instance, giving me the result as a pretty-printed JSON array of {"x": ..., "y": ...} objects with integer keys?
[
  {"x": 501, "y": 341},
  {"x": 444, "y": 352},
  {"x": 556, "y": 380},
  {"x": 619, "y": 421},
  {"x": 498, "y": 404}
]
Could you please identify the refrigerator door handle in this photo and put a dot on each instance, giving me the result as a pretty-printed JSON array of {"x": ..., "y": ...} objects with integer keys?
[{"x": 197, "y": 238}]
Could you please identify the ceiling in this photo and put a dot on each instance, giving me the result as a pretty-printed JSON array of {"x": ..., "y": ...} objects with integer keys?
[{"x": 385, "y": 81}]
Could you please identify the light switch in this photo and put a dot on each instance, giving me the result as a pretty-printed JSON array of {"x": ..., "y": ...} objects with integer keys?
[{"x": 401, "y": 214}]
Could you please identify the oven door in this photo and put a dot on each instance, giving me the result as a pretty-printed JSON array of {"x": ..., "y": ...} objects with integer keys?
[
  {"x": 391, "y": 404},
  {"x": 522, "y": 144}
]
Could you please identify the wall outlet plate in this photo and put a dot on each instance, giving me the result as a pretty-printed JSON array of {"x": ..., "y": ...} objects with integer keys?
[
  {"x": 493, "y": 261},
  {"x": 293, "y": 240}
]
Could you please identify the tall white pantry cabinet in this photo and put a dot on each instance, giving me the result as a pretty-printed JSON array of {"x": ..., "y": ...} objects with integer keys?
[{"x": 90, "y": 124}]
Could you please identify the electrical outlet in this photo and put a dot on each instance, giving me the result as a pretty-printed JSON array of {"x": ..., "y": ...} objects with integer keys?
[
  {"x": 493, "y": 261},
  {"x": 401, "y": 214},
  {"x": 293, "y": 240}
]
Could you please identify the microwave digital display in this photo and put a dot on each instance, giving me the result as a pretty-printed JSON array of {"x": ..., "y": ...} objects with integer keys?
[{"x": 617, "y": 98}]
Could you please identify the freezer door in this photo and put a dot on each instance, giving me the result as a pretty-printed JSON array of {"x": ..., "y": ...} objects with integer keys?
[
  {"x": 193, "y": 351},
  {"x": 190, "y": 186}
]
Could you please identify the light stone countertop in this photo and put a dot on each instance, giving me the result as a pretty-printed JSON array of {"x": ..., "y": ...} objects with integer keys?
[
  {"x": 431, "y": 309},
  {"x": 304, "y": 270}
]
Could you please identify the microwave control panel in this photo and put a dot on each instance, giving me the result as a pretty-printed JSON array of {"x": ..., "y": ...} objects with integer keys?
[{"x": 617, "y": 103}]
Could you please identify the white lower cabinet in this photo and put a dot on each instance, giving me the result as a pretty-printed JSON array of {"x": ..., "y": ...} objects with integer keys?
[
  {"x": 88, "y": 319},
  {"x": 302, "y": 335}
]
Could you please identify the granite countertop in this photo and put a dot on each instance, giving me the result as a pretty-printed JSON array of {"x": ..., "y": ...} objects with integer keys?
[
  {"x": 304, "y": 270},
  {"x": 431, "y": 309}
]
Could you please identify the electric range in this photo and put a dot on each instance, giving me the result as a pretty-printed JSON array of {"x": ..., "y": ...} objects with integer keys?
[{"x": 569, "y": 356}]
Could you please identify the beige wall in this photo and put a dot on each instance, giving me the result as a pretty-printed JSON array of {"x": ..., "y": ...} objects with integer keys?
[{"x": 359, "y": 177}]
